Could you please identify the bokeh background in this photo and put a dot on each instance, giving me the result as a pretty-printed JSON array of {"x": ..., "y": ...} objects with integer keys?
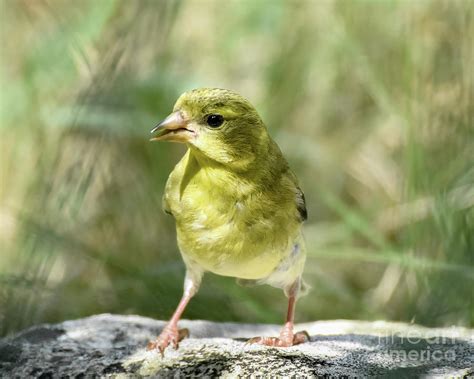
[{"x": 372, "y": 102}]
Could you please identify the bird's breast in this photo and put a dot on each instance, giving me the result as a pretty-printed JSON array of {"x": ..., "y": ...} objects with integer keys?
[
  {"x": 232, "y": 237},
  {"x": 228, "y": 225}
]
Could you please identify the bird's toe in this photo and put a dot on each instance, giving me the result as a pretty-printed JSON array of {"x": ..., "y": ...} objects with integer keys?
[
  {"x": 286, "y": 340},
  {"x": 169, "y": 335},
  {"x": 270, "y": 341},
  {"x": 301, "y": 337}
]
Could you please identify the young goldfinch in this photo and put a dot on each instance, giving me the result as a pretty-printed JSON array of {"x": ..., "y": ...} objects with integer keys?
[{"x": 237, "y": 205}]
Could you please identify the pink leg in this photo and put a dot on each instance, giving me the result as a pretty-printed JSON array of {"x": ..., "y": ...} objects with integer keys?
[
  {"x": 171, "y": 333},
  {"x": 287, "y": 337}
]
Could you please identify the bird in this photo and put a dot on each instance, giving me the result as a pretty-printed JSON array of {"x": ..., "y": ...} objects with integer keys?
[{"x": 237, "y": 205}]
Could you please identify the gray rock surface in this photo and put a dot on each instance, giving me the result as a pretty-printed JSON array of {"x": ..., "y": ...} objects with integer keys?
[{"x": 114, "y": 346}]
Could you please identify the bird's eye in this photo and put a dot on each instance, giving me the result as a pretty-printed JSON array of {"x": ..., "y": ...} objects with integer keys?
[{"x": 215, "y": 120}]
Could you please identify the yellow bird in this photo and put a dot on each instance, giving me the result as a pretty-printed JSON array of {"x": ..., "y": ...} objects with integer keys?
[{"x": 237, "y": 205}]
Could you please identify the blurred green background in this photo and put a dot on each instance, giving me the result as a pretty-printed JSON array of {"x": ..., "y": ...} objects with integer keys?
[{"x": 372, "y": 102}]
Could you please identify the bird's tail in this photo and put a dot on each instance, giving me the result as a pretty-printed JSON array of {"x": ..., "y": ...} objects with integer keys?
[{"x": 304, "y": 289}]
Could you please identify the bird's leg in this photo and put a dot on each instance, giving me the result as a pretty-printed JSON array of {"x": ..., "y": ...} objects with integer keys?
[
  {"x": 287, "y": 337},
  {"x": 171, "y": 334}
]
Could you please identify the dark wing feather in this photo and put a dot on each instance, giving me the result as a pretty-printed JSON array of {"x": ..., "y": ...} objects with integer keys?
[
  {"x": 301, "y": 205},
  {"x": 165, "y": 206}
]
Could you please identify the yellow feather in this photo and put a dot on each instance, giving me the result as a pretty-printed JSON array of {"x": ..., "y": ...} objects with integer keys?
[{"x": 237, "y": 205}]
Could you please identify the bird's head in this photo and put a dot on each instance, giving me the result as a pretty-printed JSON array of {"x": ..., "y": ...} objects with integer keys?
[{"x": 216, "y": 124}]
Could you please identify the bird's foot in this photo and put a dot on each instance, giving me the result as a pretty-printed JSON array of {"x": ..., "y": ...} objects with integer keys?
[
  {"x": 170, "y": 335},
  {"x": 285, "y": 339}
]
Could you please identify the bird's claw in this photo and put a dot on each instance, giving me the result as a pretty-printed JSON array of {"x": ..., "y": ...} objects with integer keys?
[
  {"x": 169, "y": 335},
  {"x": 282, "y": 341}
]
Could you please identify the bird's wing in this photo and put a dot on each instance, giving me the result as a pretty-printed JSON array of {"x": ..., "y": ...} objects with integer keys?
[
  {"x": 170, "y": 201},
  {"x": 166, "y": 206},
  {"x": 300, "y": 201},
  {"x": 301, "y": 204},
  {"x": 167, "y": 195}
]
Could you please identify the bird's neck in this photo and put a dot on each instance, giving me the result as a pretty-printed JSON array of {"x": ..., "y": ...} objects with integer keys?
[
  {"x": 237, "y": 166},
  {"x": 258, "y": 170}
]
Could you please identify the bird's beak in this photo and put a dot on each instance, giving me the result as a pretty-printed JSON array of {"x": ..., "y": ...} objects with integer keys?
[{"x": 173, "y": 128}]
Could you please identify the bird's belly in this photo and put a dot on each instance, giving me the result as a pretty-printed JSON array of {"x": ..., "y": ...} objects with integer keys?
[
  {"x": 233, "y": 249},
  {"x": 257, "y": 267},
  {"x": 244, "y": 237}
]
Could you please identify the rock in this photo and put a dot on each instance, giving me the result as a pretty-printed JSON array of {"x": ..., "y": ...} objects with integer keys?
[{"x": 114, "y": 346}]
